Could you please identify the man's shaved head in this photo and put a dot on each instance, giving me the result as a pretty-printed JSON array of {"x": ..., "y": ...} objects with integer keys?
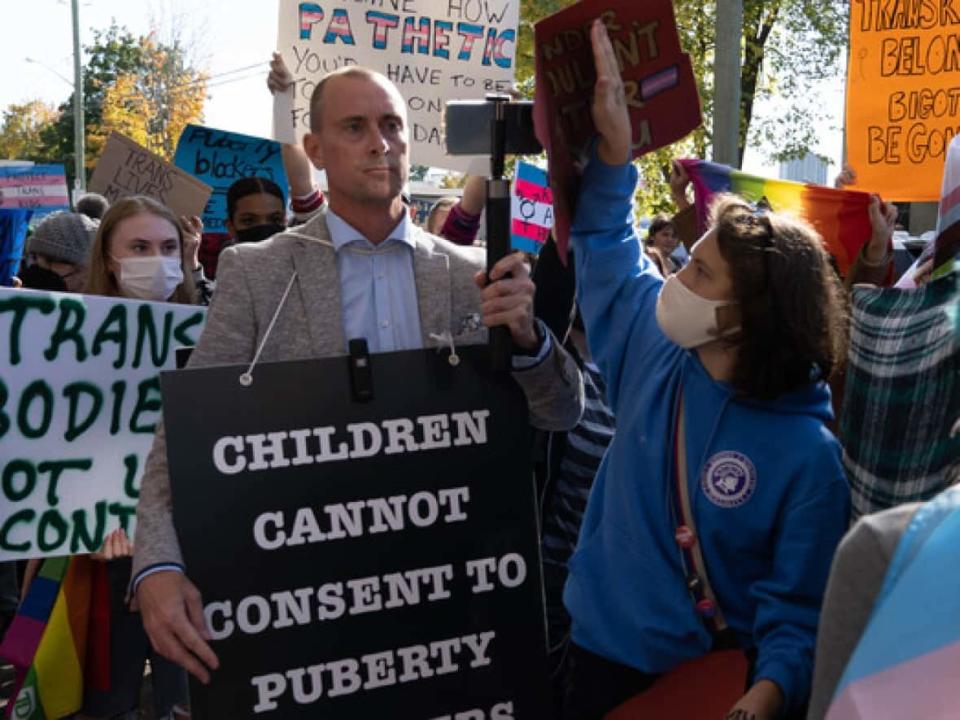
[{"x": 355, "y": 71}]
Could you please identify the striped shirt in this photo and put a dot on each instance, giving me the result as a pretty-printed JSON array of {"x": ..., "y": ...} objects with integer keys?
[{"x": 568, "y": 487}]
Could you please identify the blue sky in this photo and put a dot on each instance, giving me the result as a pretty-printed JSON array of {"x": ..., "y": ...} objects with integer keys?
[{"x": 227, "y": 34}]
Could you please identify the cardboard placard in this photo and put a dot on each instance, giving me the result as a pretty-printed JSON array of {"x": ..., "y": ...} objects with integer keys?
[
  {"x": 433, "y": 50},
  {"x": 902, "y": 96},
  {"x": 389, "y": 547},
  {"x": 126, "y": 168},
  {"x": 661, "y": 91},
  {"x": 79, "y": 399},
  {"x": 38, "y": 187},
  {"x": 220, "y": 158}
]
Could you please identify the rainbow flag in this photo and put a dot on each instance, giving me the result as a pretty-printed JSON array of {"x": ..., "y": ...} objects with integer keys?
[
  {"x": 840, "y": 216},
  {"x": 907, "y": 663},
  {"x": 59, "y": 640}
]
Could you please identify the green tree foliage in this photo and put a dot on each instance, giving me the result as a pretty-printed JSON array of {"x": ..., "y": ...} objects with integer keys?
[
  {"x": 790, "y": 46},
  {"x": 22, "y": 129},
  {"x": 418, "y": 172},
  {"x": 153, "y": 105},
  {"x": 114, "y": 51},
  {"x": 123, "y": 74}
]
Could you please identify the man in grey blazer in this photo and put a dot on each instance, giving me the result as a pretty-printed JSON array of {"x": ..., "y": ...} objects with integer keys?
[{"x": 358, "y": 269}]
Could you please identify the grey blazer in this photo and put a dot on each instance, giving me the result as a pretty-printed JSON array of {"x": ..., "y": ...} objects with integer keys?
[{"x": 250, "y": 284}]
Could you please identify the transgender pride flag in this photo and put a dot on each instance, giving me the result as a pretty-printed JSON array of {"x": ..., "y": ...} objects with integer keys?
[
  {"x": 907, "y": 664},
  {"x": 35, "y": 187},
  {"x": 531, "y": 209}
]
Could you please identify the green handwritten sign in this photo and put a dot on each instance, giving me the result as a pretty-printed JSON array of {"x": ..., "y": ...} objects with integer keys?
[{"x": 79, "y": 400}]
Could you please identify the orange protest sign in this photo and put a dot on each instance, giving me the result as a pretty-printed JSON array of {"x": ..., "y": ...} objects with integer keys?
[{"x": 903, "y": 95}]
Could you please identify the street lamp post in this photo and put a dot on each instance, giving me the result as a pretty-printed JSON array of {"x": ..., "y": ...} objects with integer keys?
[
  {"x": 78, "y": 137},
  {"x": 80, "y": 183},
  {"x": 726, "y": 83}
]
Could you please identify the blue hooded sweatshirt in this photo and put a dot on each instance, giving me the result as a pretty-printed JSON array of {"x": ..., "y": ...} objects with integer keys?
[{"x": 766, "y": 485}]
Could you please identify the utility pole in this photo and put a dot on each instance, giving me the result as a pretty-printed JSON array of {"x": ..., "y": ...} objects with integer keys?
[
  {"x": 80, "y": 183},
  {"x": 726, "y": 82}
]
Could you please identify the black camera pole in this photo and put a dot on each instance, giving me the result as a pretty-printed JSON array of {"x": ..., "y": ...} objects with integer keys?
[{"x": 498, "y": 222}]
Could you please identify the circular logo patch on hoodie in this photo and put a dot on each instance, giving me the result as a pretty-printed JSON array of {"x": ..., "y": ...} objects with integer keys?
[{"x": 728, "y": 479}]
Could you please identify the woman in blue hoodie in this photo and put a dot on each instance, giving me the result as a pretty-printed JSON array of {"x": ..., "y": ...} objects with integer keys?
[{"x": 739, "y": 344}]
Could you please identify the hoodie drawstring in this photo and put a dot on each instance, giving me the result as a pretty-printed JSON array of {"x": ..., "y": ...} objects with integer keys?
[
  {"x": 246, "y": 379},
  {"x": 446, "y": 338}
]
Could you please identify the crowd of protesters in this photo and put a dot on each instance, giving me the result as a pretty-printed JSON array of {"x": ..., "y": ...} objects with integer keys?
[{"x": 685, "y": 389}]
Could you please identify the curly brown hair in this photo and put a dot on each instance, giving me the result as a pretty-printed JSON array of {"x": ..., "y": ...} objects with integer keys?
[{"x": 794, "y": 314}]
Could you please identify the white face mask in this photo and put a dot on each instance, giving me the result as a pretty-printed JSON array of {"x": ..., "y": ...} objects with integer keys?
[
  {"x": 150, "y": 278},
  {"x": 685, "y": 317}
]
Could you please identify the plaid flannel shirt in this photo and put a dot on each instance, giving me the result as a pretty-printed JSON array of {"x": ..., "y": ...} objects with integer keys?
[{"x": 902, "y": 395}]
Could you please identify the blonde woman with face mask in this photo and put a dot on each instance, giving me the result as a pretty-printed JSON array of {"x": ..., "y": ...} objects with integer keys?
[
  {"x": 710, "y": 527},
  {"x": 138, "y": 254}
]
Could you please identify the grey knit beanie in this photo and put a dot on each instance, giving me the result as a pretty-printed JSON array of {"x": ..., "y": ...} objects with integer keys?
[{"x": 64, "y": 236}]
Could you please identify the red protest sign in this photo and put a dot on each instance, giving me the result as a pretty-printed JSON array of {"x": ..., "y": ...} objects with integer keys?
[{"x": 658, "y": 81}]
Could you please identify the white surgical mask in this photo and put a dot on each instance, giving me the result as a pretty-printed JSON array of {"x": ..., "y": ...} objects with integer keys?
[
  {"x": 150, "y": 278},
  {"x": 685, "y": 317}
]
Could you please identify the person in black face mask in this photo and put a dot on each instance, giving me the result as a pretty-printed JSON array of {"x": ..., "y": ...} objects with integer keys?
[
  {"x": 256, "y": 206},
  {"x": 57, "y": 253},
  {"x": 255, "y": 210}
]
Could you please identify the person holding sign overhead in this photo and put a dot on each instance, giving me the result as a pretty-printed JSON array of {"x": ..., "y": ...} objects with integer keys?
[
  {"x": 256, "y": 206},
  {"x": 359, "y": 269},
  {"x": 703, "y": 558}
]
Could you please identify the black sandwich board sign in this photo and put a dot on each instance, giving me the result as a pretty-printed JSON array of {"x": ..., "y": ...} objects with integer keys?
[{"x": 373, "y": 559}]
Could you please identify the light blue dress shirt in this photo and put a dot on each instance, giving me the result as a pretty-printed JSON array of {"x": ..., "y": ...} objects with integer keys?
[{"x": 378, "y": 292}]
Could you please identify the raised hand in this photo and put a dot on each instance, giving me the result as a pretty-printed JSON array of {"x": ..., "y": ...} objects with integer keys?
[
  {"x": 115, "y": 545},
  {"x": 847, "y": 176},
  {"x": 883, "y": 218},
  {"x": 679, "y": 180},
  {"x": 192, "y": 235},
  {"x": 609, "y": 108},
  {"x": 280, "y": 78}
]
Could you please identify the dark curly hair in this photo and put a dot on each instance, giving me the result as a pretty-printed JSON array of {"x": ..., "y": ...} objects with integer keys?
[{"x": 794, "y": 314}]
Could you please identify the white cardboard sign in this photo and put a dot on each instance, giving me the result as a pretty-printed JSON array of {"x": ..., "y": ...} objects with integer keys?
[
  {"x": 79, "y": 400},
  {"x": 433, "y": 50}
]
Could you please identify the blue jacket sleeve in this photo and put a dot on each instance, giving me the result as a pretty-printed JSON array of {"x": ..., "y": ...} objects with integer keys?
[
  {"x": 789, "y": 600},
  {"x": 617, "y": 286}
]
